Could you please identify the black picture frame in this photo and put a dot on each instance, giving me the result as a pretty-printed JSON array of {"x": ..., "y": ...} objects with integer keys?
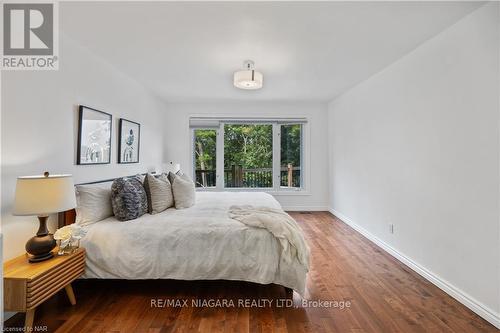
[
  {"x": 82, "y": 109},
  {"x": 122, "y": 159}
]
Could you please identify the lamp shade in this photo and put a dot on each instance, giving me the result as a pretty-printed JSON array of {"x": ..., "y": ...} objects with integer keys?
[
  {"x": 44, "y": 195},
  {"x": 248, "y": 80}
]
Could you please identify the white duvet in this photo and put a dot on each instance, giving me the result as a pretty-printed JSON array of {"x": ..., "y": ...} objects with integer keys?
[{"x": 197, "y": 243}]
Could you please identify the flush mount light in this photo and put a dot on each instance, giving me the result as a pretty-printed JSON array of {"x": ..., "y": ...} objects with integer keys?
[{"x": 249, "y": 78}]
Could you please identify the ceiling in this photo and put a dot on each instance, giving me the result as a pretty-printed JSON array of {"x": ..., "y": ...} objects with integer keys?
[{"x": 188, "y": 51}]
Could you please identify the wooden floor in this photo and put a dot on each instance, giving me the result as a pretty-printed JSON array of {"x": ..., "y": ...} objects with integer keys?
[{"x": 385, "y": 296}]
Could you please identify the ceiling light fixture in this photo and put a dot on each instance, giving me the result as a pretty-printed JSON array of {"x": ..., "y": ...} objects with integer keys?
[{"x": 249, "y": 78}]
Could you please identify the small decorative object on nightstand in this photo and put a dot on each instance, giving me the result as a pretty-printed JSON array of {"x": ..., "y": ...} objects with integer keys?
[
  {"x": 42, "y": 196},
  {"x": 68, "y": 238},
  {"x": 26, "y": 285}
]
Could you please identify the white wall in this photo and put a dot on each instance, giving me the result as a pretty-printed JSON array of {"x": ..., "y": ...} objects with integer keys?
[
  {"x": 417, "y": 145},
  {"x": 178, "y": 141},
  {"x": 39, "y": 127}
]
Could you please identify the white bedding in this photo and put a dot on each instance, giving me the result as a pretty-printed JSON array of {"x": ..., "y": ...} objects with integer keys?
[{"x": 197, "y": 243}]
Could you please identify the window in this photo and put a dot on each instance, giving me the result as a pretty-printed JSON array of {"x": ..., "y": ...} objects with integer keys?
[
  {"x": 260, "y": 154},
  {"x": 205, "y": 157}
]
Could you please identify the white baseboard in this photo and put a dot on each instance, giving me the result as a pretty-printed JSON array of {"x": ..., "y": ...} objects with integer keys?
[
  {"x": 474, "y": 305},
  {"x": 305, "y": 208}
]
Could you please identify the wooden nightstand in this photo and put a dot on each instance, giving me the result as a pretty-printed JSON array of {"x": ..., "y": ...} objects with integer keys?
[{"x": 26, "y": 285}]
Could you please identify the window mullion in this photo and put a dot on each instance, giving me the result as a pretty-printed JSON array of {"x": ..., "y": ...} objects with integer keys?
[
  {"x": 193, "y": 158},
  {"x": 276, "y": 156},
  {"x": 220, "y": 158}
]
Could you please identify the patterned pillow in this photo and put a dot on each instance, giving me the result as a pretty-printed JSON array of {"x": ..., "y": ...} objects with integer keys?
[
  {"x": 159, "y": 193},
  {"x": 128, "y": 198}
]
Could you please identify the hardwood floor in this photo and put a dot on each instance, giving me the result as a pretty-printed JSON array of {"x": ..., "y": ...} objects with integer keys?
[{"x": 385, "y": 296}]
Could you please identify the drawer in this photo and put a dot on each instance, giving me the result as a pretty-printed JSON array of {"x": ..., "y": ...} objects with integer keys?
[
  {"x": 41, "y": 288},
  {"x": 56, "y": 272},
  {"x": 26, "y": 285}
]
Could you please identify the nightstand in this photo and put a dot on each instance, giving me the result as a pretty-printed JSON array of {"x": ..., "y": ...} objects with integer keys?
[{"x": 26, "y": 285}]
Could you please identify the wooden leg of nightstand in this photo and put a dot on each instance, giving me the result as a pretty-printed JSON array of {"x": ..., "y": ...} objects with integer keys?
[
  {"x": 71, "y": 294},
  {"x": 28, "y": 321}
]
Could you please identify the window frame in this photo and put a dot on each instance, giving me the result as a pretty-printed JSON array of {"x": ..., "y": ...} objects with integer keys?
[{"x": 276, "y": 165}]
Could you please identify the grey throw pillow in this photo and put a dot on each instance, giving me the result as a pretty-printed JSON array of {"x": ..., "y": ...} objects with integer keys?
[
  {"x": 159, "y": 193},
  {"x": 184, "y": 191},
  {"x": 128, "y": 198}
]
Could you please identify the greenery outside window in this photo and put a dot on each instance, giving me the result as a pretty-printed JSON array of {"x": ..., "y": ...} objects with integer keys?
[
  {"x": 291, "y": 156},
  {"x": 248, "y": 155},
  {"x": 205, "y": 157}
]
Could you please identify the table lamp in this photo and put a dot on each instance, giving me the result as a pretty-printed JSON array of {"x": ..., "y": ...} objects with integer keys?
[{"x": 42, "y": 196}]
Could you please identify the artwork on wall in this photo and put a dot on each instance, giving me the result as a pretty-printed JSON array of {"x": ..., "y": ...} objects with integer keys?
[
  {"x": 129, "y": 141},
  {"x": 94, "y": 136}
]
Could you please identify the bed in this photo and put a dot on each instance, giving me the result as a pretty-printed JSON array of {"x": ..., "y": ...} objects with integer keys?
[{"x": 197, "y": 243}]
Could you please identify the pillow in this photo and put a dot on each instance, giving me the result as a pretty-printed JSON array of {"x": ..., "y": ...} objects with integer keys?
[
  {"x": 171, "y": 175},
  {"x": 158, "y": 192},
  {"x": 128, "y": 198},
  {"x": 183, "y": 190},
  {"x": 140, "y": 177},
  {"x": 93, "y": 203}
]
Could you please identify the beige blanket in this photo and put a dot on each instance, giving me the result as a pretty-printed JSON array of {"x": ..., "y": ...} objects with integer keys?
[{"x": 280, "y": 225}]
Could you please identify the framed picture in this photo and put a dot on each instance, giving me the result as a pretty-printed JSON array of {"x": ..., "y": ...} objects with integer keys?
[
  {"x": 129, "y": 141},
  {"x": 94, "y": 136}
]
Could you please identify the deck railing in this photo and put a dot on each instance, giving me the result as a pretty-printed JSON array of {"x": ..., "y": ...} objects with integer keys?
[{"x": 237, "y": 176}]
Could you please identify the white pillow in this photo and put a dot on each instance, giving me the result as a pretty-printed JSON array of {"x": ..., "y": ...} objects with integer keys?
[
  {"x": 184, "y": 191},
  {"x": 93, "y": 203},
  {"x": 159, "y": 193}
]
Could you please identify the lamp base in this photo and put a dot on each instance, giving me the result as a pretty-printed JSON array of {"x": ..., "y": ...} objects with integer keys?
[
  {"x": 41, "y": 257},
  {"x": 41, "y": 245}
]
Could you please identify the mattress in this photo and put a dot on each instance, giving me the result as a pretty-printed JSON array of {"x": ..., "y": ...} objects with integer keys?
[{"x": 197, "y": 243}]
